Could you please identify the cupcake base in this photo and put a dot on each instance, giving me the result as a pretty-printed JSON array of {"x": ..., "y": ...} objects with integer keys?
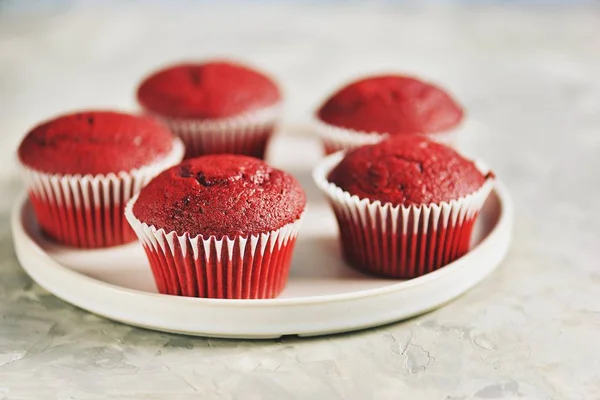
[
  {"x": 252, "y": 267},
  {"x": 248, "y": 134},
  {"x": 338, "y": 139},
  {"x": 400, "y": 241},
  {"x": 422, "y": 248},
  {"x": 87, "y": 211}
]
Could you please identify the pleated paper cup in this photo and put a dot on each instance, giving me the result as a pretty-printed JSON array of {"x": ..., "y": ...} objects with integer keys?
[
  {"x": 239, "y": 267},
  {"x": 247, "y": 134},
  {"x": 87, "y": 210},
  {"x": 336, "y": 138},
  {"x": 400, "y": 241}
]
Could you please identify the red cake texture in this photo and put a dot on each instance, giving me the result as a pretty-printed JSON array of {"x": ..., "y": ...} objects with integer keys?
[
  {"x": 391, "y": 104},
  {"x": 407, "y": 170},
  {"x": 208, "y": 90},
  {"x": 95, "y": 142},
  {"x": 221, "y": 195}
]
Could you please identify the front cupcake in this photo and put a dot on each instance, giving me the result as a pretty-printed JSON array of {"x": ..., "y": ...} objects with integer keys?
[
  {"x": 81, "y": 169},
  {"x": 219, "y": 226},
  {"x": 369, "y": 110},
  {"x": 405, "y": 206},
  {"x": 215, "y": 107}
]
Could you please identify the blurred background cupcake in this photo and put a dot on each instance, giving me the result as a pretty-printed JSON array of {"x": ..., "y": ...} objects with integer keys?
[
  {"x": 215, "y": 106},
  {"x": 405, "y": 206},
  {"x": 81, "y": 169},
  {"x": 371, "y": 109},
  {"x": 219, "y": 226}
]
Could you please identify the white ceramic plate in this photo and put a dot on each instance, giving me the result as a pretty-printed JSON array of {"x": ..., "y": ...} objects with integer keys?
[{"x": 323, "y": 294}]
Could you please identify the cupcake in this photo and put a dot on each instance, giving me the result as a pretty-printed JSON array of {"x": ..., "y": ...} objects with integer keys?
[
  {"x": 214, "y": 107},
  {"x": 81, "y": 169},
  {"x": 219, "y": 226},
  {"x": 371, "y": 109},
  {"x": 405, "y": 206}
]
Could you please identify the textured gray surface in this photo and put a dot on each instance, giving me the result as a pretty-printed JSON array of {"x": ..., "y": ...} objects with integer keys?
[{"x": 528, "y": 331}]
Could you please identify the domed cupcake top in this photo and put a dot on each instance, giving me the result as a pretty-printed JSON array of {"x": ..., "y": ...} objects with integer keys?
[
  {"x": 221, "y": 195},
  {"x": 208, "y": 90},
  {"x": 95, "y": 142},
  {"x": 391, "y": 104},
  {"x": 407, "y": 170}
]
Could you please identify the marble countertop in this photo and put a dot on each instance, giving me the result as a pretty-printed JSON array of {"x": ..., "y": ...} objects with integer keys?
[{"x": 529, "y": 77}]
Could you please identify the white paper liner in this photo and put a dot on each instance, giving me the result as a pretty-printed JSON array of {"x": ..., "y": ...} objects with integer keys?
[
  {"x": 87, "y": 210},
  {"x": 247, "y": 134},
  {"x": 336, "y": 138},
  {"x": 400, "y": 241},
  {"x": 241, "y": 267}
]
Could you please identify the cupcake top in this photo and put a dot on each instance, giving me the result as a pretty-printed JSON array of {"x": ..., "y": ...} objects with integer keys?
[
  {"x": 95, "y": 142},
  {"x": 407, "y": 170},
  {"x": 208, "y": 90},
  {"x": 391, "y": 104},
  {"x": 220, "y": 195}
]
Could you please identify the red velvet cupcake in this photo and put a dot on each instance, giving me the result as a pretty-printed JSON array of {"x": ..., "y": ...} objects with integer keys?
[
  {"x": 219, "y": 226},
  {"x": 405, "y": 206},
  {"x": 82, "y": 168},
  {"x": 215, "y": 107},
  {"x": 371, "y": 109}
]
